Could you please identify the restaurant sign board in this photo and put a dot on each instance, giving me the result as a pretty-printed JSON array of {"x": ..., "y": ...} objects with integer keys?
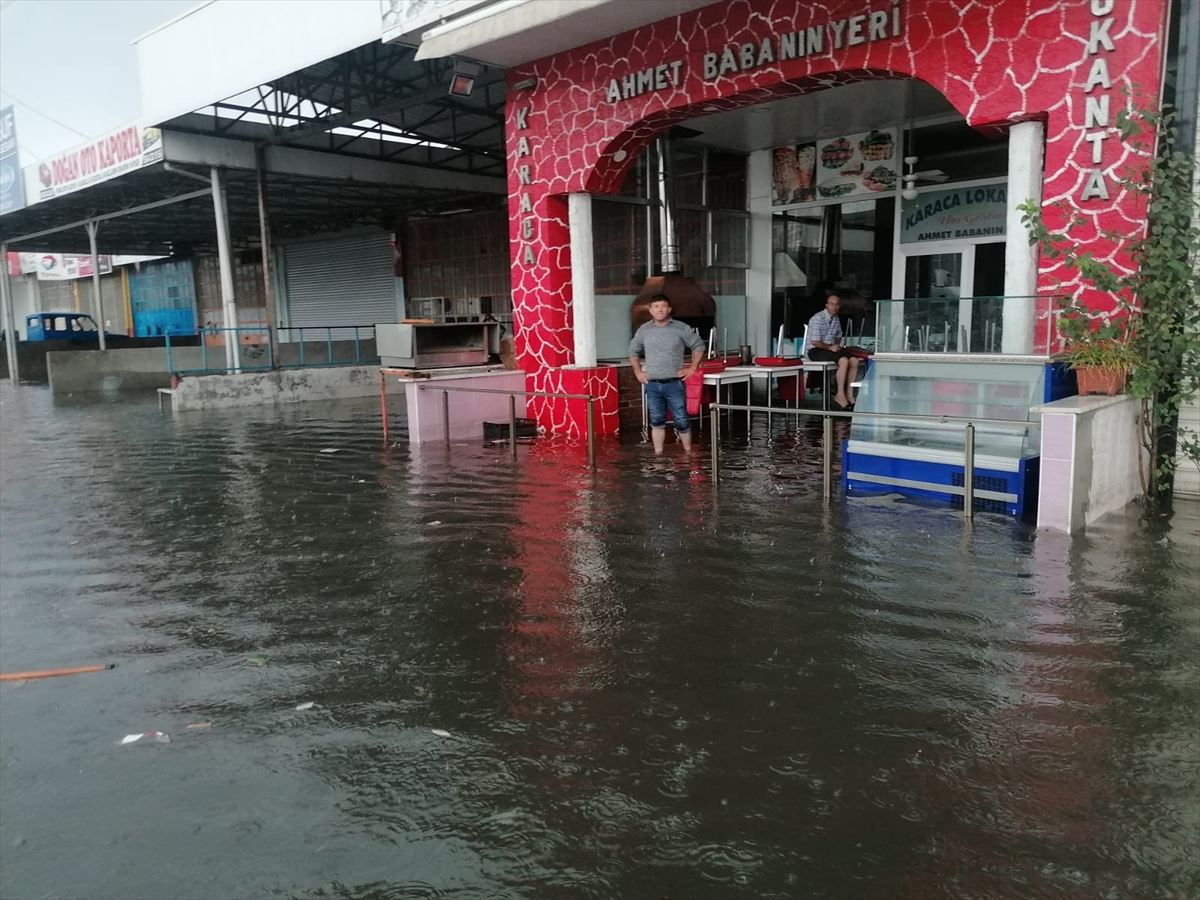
[{"x": 964, "y": 213}]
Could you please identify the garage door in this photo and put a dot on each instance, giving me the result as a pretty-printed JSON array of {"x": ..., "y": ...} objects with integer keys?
[{"x": 342, "y": 280}]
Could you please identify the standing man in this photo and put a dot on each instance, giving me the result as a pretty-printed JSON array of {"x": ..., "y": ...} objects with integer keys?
[
  {"x": 662, "y": 341},
  {"x": 825, "y": 345}
]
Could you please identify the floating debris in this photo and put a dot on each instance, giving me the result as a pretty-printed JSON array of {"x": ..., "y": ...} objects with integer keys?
[
  {"x": 439, "y": 732},
  {"x": 196, "y": 726},
  {"x": 158, "y": 737},
  {"x": 434, "y": 522},
  {"x": 55, "y": 673},
  {"x": 306, "y": 705},
  {"x": 332, "y": 450}
]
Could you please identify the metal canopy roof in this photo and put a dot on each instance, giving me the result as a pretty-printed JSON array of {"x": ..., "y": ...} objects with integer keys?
[
  {"x": 297, "y": 206},
  {"x": 382, "y": 102},
  {"x": 374, "y": 102}
]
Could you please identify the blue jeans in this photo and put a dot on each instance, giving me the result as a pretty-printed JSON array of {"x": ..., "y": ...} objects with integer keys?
[{"x": 660, "y": 395}]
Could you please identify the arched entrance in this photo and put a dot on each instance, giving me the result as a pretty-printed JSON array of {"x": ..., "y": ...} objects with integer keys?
[{"x": 576, "y": 120}]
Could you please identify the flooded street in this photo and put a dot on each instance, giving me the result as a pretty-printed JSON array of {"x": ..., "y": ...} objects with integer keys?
[{"x": 533, "y": 681}]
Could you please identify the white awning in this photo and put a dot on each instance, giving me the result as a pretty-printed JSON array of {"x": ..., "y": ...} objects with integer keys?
[
  {"x": 225, "y": 47},
  {"x": 510, "y": 32}
]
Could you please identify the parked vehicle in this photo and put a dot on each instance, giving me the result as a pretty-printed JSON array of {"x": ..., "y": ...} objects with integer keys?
[{"x": 61, "y": 326}]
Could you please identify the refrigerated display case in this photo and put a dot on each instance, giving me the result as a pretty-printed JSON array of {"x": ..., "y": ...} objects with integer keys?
[{"x": 926, "y": 457}]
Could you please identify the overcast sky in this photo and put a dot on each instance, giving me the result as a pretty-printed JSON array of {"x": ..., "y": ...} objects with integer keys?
[{"x": 73, "y": 61}]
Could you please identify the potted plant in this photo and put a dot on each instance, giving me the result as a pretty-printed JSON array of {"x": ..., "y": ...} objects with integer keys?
[{"x": 1099, "y": 350}]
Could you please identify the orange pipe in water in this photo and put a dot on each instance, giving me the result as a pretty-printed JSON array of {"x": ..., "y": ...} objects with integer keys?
[{"x": 53, "y": 673}]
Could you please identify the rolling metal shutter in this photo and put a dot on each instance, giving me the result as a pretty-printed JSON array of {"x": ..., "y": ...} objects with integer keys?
[{"x": 343, "y": 280}]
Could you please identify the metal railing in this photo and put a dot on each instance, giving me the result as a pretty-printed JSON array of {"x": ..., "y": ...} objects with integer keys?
[
  {"x": 512, "y": 410},
  {"x": 967, "y": 490},
  {"x": 328, "y": 330},
  {"x": 256, "y": 353},
  {"x": 952, "y": 324}
]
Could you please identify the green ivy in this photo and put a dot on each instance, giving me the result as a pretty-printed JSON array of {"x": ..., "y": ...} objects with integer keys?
[{"x": 1154, "y": 330}]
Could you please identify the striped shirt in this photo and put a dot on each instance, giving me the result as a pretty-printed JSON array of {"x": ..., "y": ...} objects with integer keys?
[{"x": 824, "y": 328}]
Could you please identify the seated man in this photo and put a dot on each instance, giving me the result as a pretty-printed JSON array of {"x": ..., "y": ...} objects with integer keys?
[{"x": 825, "y": 345}]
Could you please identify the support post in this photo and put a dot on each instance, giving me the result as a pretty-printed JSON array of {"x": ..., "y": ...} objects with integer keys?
[
  {"x": 512, "y": 424},
  {"x": 714, "y": 437},
  {"x": 127, "y": 299},
  {"x": 383, "y": 412},
  {"x": 591, "y": 432},
  {"x": 264, "y": 236},
  {"x": 583, "y": 279},
  {"x": 92, "y": 228},
  {"x": 827, "y": 456},
  {"x": 233, "y": 360},
  {"x": 446, "y": 416},
  {"x": 969, "y": 472},
  {"x": 1020, "y": 257},
  {"x": 10, "y": 320}
]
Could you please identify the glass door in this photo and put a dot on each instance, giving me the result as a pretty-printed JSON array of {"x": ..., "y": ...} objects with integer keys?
[{"x": 943, "y": 279}]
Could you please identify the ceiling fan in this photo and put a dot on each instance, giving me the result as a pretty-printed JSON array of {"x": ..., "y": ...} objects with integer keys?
[{"x": 911, "y": 177}]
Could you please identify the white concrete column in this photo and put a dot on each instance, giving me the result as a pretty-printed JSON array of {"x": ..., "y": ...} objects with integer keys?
[
  {"x": 92, "y": 229},
  {"x": 1025, "y": 151},
  {"x": 583, "y": 278},
  {"x": 758, "y": 276},
  {"x": 233, "y": 359},
  {"x": 10, "y": 325}
]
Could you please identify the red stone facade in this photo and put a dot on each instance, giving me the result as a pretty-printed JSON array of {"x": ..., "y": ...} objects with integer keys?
[{"x": 1069, "y": 63}]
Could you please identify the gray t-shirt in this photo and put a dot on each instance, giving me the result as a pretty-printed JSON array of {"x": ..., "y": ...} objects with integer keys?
[{"x": 662, "y": 347}]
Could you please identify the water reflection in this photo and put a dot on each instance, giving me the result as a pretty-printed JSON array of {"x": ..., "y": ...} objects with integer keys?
[{"x": 649, "y": 688}]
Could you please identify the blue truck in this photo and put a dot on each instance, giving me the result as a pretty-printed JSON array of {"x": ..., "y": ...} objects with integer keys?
[{"x": 61, "y": 326}]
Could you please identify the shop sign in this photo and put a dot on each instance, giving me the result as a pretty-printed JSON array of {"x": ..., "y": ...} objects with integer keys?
[
  {"x": 839, "y": 168},
  {"x": 955, "y": 214},
  {"x": 836, "y": 34},
  {"x": 526, "y": 221},
  {"x": 1096, "y": 106},
  {"x": 107, "y": 157},
  {"x": 12, "y": 196},
  {"x": 62, "y": 266}
]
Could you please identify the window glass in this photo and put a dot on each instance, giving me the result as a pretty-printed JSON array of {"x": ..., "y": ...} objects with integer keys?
[
  {"x": 726, "y": 180},
  {"x": 688, "y": 165},
  {"x": 730, "y": 237},
  {"x": 619, "y": 231},
  {"x": 60, "y": 323}
]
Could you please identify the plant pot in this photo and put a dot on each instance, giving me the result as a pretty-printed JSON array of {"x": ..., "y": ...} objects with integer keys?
[{"x": 1108, "y": 382}]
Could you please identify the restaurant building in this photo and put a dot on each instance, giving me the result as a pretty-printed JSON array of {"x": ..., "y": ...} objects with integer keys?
[{"x": 791, "y": 129}]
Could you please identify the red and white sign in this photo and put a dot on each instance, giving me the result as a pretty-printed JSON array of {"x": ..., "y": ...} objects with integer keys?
[
  {"x": 56, "y": 266},
  {"x": 106, "y": 157}
]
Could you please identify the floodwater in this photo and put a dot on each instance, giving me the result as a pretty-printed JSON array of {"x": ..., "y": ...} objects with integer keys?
[{"x": 532, "y": 682}]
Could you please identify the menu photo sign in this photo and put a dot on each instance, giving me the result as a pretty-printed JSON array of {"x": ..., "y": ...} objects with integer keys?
[
  {"x": 857, "y": 164},
  {"x": 794, "y": 179},
  {"x": 839, "y": 168}
]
